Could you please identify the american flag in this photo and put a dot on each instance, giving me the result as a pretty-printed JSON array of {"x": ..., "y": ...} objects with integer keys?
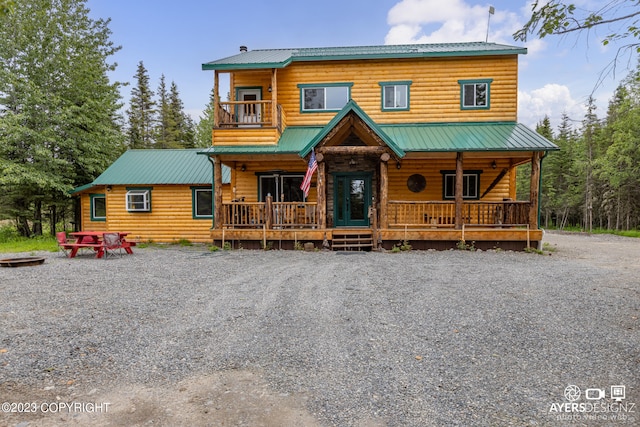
[{"x": 306, "y": 182}]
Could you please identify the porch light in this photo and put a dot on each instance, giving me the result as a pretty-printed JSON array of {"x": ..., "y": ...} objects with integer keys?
[
  {"x": 243, "y": 167},
  {"x": 270, "y": 89},
  {"x": 494, "y": 165},
  {"x": 352, "y": 162},
  {"x": 398, "y": 165}
]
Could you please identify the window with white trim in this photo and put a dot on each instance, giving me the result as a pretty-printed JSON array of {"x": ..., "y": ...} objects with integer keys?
[
  {"x": 475, "y": 94},
  {"x": 470, "y": 185},
  {"x": 330, "y": 97},
  {"x": 138, "y": 200},
  {"x": 395, "y": 96}
]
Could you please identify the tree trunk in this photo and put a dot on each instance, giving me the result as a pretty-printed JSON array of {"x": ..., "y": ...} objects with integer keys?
[{"x": 37, "y": 218}]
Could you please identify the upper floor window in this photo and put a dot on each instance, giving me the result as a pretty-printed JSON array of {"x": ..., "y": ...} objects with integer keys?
[
  {"x": 98, "y": 207},
  {"x": 470, "y": 184},
  {"x": 395, "y": 96},
  {"x": 138, "y": 200},
  {"x": 324, "y": 97},
  {"x": 475, "y": 94}
]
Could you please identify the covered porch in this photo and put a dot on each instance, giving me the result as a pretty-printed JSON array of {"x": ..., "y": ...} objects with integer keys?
[{"x": 430, "y": 185}]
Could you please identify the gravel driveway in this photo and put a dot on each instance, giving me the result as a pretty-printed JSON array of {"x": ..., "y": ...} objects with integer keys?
[{"x": 181, "y": 336}]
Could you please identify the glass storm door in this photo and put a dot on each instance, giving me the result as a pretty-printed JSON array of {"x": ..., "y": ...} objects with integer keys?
[{"x": 352, "y": 198}]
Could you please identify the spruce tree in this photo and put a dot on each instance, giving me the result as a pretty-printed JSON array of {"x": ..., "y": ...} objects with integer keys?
[
  {"x": 204, "y": 127},
  {"x": 58, "y": 110},
  {"x": 141, "y": 112}
]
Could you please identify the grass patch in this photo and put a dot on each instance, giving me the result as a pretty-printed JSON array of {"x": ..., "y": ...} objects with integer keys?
[{"x": 34, "y": 244}]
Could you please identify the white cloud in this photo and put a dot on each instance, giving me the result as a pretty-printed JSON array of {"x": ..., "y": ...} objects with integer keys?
[
  {"x": 430, "y": 21},
  {"x": 551, "y": 100}
]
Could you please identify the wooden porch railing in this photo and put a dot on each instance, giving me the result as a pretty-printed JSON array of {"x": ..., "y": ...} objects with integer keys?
[
  {"x": 247, "y": 114},
  {"x": 280, "y": 215},
  {"x": 443, "y": 213}
]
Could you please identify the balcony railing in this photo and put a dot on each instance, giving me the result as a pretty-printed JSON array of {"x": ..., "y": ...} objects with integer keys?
[
  {"x": 269, "y": 214},
  {"x": 443, "y": 213},
  {"x": 246, "y": 114}
]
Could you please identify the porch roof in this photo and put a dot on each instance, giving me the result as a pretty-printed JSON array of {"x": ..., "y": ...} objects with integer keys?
[
  {"x": 435, "y": 137},
  {"x": 280, "y": 58}
]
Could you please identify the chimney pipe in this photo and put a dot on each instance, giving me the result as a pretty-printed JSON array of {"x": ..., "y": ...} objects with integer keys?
[{"x": 243, "y": 48}]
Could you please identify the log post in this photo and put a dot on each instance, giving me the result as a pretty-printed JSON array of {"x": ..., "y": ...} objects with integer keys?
[
  {"x": 274, "y": 97},
  {"x": 459, "y": 189},
  {"x": 268, "y": 212},
  {"x": 534, "y": 190},
  {"x": 216, "y": 101},
  {"x": 217, "y": 192},
  {"x": 321, "y": 192},
  {"x": 384, "y": 190}
]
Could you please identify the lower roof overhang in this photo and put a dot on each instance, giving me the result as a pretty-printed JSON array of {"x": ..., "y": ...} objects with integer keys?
[{"x": 411, "y": 139}]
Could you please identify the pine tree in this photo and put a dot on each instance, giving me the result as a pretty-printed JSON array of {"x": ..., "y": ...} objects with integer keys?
[
  {"x": 141, "y": 112},
  {"x": 58, "y": 110},
  {"x": 183, "y": 124},
  {"x": 204, "y": 127}
]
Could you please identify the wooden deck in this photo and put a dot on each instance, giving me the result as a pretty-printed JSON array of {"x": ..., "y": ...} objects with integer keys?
[{"x": 485, "y": 237}]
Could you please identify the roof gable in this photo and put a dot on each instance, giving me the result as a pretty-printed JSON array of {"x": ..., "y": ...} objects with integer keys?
[{"x": 352, "y": 108}]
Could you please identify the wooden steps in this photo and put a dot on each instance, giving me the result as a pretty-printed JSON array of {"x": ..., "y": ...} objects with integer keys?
[{"x": 352, "y": 240}]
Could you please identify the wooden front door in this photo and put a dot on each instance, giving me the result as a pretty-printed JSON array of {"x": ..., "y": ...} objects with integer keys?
[{"x": 352, "y": 198}]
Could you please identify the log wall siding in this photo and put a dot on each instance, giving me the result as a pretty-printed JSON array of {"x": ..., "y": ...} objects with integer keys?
[
  {"x": 85, "y": 210},
  {"x": 170, "y": 219},
  {"x": 434, "y": 94},
  {"x": 430, "y": 169}
]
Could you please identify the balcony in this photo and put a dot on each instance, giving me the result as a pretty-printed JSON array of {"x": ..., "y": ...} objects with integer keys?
[{"x": 248, "y": 114}]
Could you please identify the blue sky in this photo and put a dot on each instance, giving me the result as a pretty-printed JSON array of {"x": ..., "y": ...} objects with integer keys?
[{"x": 174, "y": 38}]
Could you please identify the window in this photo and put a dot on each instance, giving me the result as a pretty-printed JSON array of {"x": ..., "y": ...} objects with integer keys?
[
  {"x": 202, "y": 198},
  {"x": 98, "y": 207},
  {"x": 395, "y": 96},
  {"x": 139, "y": 200},
  {"x": 474, "y": 94},
  {"x": 277, "y": 186},
  {"x": 470, "y": 184},
  {"x": 324, "y": 97}
]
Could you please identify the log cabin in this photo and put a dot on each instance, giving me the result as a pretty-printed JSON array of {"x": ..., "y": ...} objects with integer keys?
[
  {"x": 155, "y": 195},
  {"x": 416, "y": 144}
]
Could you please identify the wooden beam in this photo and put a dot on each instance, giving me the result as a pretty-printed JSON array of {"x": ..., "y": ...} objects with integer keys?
[
  {"x": 534, "y": 190},
  {"x": 321, "y": 194},
  {"x": 217, "y": 192},
  {"x": 274, "y": 97},
  {"x": 216, "y": 100},
  {"x": 384, "y": 190},
  {"x": 354, "y": 149},
  {"x": 459, "y": 188}
]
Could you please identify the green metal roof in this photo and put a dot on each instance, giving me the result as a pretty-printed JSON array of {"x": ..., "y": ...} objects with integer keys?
[
  {"x": 280, "y": 58},
  {"x": 442, "y": 137},
  {"x": 145, "y": 167},
  {"x": 436, "y": 137}
]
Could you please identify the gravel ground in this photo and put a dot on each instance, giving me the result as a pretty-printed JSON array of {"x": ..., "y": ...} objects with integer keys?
[{"x": 182, "y": 336}]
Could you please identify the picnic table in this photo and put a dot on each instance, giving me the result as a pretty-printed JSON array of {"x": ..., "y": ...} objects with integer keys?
[{"x": 95, "y": 240}]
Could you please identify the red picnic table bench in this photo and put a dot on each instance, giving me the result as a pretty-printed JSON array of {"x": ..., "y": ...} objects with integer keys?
[{"x": 99, "y": 241}]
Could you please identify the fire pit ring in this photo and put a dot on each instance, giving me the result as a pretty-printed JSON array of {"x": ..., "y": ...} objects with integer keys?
[{"x": 21, "y": 262}]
